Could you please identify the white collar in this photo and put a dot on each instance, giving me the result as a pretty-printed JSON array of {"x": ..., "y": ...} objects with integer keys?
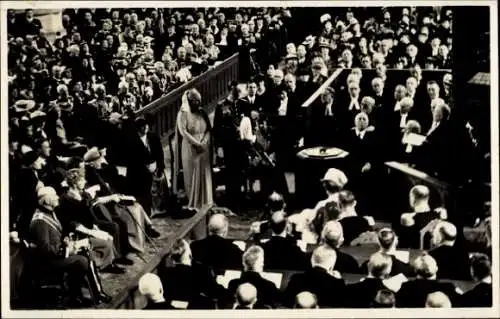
[{"x": 421, "y": 208}]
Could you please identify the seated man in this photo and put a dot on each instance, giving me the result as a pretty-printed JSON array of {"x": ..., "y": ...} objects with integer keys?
[
  {"x": 51, "y": 252},
  {"x": 260, "y": 229},
  {"x": 150, "y": 286},
  {"x": 333, "y": 182},
  {"x": 192, "y": 285},
  {"x": 246, "y": 298},
  {"x": 452, "y": 258},
  {"x": 332, "y": 236},
  {"x": 352, "y": 224},
  {"x": 388, "y": 242},
  {"x": 216, "y": 251},
  {"x": 481, "y": 295},
  {"x": 253, "y": 266},
  {"x": 363, "y": 293},
  {"x": 413, "y": 293},
  {"x": 281, "y": 252},
  {"x": 412, "y": 223},
  {"x": 437, "y": 300},
  {"x": 306, "y": 300},
  {"x": 384, "y": 299},
  {"x": 321, "y": 280}
]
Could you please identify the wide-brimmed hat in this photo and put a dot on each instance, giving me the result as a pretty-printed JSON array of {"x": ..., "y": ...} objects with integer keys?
[
  {"x": 92, "y": 155},
  {"x": 335, "y": 176},
  {"x": 21, "y": 106},
  {"x": 30, "y": 157}
]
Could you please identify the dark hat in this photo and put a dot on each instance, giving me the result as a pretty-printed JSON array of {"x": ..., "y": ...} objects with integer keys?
[
  {"x": 74, "y": 149},
  {"x": 140, "y": 122},
  {"x": 30, "y": 157}
]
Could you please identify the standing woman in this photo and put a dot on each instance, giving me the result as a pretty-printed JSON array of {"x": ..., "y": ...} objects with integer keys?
[{"x": 194, "y": 128}]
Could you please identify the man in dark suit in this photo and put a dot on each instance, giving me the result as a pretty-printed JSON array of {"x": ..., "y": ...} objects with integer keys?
[
  {"x": 252, "y": 101},
  {"x": 388, "y": 242},
  {"x": 25, "y": 185},
  {"x": 332, "y": 236},
  {"x": 363, "y": 293},
  {"x": 282, "y": 252},
  {"x": 363, "y": 161},
  {"x": 482, "y": 294},
  {"x": 246, "y": 298},
  {"x": 324, "y": 121},
  {"x": 186, "y": 282},
  {"x": 436, "y": 146},
  {"x": 379, "y": 94},
  {"x": 413, "y": 294},
  {"x": 253, "y": 265},
  {"x": 452, "y": 259},
  {"x": 147, "y": 160},
  {"x": 321, "y": 280},
  {"x": 216, "y": 251}
]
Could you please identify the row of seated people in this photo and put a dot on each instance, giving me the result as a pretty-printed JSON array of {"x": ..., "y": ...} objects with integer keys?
[
  {"x": 191, "y": 281},
  {"x": 57, "y": 200}
]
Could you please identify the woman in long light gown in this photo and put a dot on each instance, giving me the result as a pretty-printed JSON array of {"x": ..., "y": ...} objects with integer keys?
[{"x": 194, "y": 128}]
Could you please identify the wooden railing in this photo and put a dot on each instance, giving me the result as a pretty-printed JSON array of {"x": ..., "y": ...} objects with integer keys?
[{"x": 212, "y": 86}]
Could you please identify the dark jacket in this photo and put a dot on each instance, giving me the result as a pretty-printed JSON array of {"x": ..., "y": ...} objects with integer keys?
[
  {"x": 217, "y": 252},
  {"x": 479, "y": 296},
  {"x": 363, "y": 293},
  {"x": 328, "y": 289},
  {"x": 283, "y": 253},
  {"x": 413, "y": 294},
  {"x": 189, "y": 283},
  {"x": 267, "y": 292},
  {"x": 453, "y": 262}
]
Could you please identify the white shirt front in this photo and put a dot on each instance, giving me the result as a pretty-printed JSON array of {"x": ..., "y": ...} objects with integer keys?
[
  {"x": 246, "y": 132},
  {"x": 397, "y": 107},
  {"x": 283, "y": 107},
  {"x": 328, "y": 109},
  {"x": 144, "y": 140},
  {"x": 354, "y": 104},
  {"x": 402, "y": 122},
  {"x": 360, "y": 134},
  {"x": 433, "y": 128}
]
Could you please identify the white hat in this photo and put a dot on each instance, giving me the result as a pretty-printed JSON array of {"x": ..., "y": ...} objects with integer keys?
[
  {"x": 325, "y": 17},
  {"x": 336, "y": 176}
]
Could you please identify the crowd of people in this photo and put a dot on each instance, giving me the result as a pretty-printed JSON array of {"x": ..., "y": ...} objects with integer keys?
[
  {"x": 81, "y": 205},
  {"x": 324, "y": 276}
]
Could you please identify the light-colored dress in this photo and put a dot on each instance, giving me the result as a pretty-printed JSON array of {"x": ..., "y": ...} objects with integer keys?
[{"x": 196, "y": 166}]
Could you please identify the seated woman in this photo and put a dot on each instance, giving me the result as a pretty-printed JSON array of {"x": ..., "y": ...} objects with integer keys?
[
  {"x": 131, "y": 217},
  {"x": 333, "y": 182},
  {"x": 76, "y": 216}
]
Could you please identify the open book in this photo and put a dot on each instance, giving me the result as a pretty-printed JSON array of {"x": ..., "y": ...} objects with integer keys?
[
  {"x": 229, "y": 275},
  {"x": 413, "y": 139},
  {"x": 394, "y": 283}
]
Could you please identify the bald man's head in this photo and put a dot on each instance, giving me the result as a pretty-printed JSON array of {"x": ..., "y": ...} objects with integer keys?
[
  {"x": 218, "y": 225},
  {"x": 246, "y": 294},
  {"x": 379, "y": 265},
  {"x": 333, "y": 234},
  {"x": 444, "y": 233},
  {"x": 437, "y": 300},
  {"x": 278, "y": 222},
  {"x": 324, "y": 257},
  {"x": 306, "y": 300}
]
